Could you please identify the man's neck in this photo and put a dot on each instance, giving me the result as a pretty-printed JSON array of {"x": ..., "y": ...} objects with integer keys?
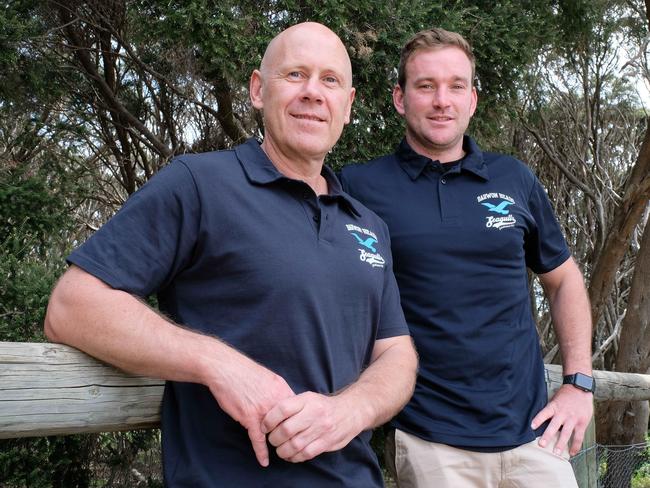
[
  {"x": 444, "y": 155},
  {"x": 307, "y": 170}
]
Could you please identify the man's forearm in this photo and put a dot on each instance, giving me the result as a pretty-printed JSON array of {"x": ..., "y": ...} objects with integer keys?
[
  {"x": 570, "y": 409},
  {"x": 571, "y": 315},
  {"x": 116, "y": 327},
  {"x": 120, "y": 329},
  {"x": 386, "y": 385}
]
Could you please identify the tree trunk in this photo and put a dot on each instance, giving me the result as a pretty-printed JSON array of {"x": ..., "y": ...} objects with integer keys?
[
  {"x": 628, "y": 214},
  {"x": 624, "y": 423}
]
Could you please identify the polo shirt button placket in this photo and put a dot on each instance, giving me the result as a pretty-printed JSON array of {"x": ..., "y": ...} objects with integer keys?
[
  {"x": 449, "y": 210},
  {"x": 317, "y": 220}
]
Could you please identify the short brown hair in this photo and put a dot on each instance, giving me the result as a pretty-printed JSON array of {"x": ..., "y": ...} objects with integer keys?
[{"x": 432, "y": 39}]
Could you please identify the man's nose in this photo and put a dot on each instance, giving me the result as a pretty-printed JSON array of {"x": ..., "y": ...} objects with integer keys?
[
  {"x": 312, "y": 90},
  {"x": 441, "y": 97}
]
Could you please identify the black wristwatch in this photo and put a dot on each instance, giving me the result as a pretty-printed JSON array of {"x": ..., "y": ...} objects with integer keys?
[{"x": 580, "y": 381}]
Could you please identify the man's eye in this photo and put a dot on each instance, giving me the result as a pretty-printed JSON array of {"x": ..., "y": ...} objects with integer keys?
[
  {"x": 331, "y": 79},
  {"x": 295, "y": 74}
]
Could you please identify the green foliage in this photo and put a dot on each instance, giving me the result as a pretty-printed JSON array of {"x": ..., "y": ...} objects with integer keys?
[
  {"x": 228, "y": 40},
  {"x": 28, "y": 77},
  {"x": 641, "y": 477},
  {"x": 33, "y": 234},
  {"x": 32, "y": 212},
  {"x": 641, "y": 482},
  {"x": 507, "y": 37},
  {"x": 31, "y": 258},
  {"x": 33, "y": 216},
  {"x": 46, "y": 462},
  {"x": 24, "y": 292},
  {"x": 82, "y": 461}
]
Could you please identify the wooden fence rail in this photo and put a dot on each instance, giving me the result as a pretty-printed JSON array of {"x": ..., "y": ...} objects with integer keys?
[{"x": 50, "y": 389}]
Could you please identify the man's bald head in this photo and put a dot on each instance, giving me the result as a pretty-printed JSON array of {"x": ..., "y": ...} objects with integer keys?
[
  {"x": 310, "y": 35},
  {"x": 304, "y": 89}
]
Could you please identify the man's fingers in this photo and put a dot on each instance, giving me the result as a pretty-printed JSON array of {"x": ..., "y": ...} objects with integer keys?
[
  {"x": 570, "y": 411},
  {"x": 550, "y": 431},
  {"x": 543, "y": 415},
  {"x": 563, "y": 439},
  {"x": 258, "y": 440},
  {"x": 312, "y": 424},
  {"x": 282, "y": 411},
  {"x": 578, "y": 437},
  {"x": 310, "y": 451},
  {"x": 294, "y": 445},
  {"x": 289, "y": 429}
]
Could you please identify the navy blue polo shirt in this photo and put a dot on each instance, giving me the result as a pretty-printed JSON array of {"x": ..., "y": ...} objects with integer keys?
[
  {"x": 462, "y": 237},
  {"x": 302, "y": 284}
]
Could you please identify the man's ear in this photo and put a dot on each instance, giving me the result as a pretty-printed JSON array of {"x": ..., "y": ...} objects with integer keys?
[
  {"x": 474, "y": 101},
  {"x": 398, "y": 99},
  {"x": 255, "y": 89},
  {"x": 349, "y": 107}
]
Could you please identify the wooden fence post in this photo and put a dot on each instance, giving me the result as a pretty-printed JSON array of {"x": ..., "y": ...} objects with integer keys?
[{"x": 585, "y": 465}]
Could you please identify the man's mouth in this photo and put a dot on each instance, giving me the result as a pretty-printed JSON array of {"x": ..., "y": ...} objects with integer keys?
[
  {"x": 441, "y": 118},
  {"x": 312, "y": 117}
]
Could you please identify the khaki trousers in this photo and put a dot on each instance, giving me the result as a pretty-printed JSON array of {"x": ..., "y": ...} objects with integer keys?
[{"x": 415, "y": 463}]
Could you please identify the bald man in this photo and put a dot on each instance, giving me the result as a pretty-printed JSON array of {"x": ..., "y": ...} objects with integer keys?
[{"x": 282, "y": 339}]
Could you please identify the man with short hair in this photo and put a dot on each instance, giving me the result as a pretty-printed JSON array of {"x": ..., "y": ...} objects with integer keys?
[
  {"x": 291, "y": 324},
  {"x": 465, "y": 225}
]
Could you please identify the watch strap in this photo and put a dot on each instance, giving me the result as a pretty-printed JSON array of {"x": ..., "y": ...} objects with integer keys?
[{"x": 581, "y": 381}]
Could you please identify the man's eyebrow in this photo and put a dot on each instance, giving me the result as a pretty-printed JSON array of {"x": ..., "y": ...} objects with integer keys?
[
  {"x": 433, "y": 78},
  {"x": 334, "y": 71},
  {"x": 323, "y": 71}
]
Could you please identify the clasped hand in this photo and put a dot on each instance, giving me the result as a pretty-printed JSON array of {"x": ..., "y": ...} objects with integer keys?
[
  {"x": 300, "y": 426},
  {"x": 308, "y": 424}
]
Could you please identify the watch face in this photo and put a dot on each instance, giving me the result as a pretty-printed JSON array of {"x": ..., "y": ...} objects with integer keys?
[{"x": 584, "y": 382}]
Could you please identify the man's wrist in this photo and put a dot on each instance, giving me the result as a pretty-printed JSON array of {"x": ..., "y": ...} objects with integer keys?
[
  {"x": 359, "y": 406},
  {"x": 580, "y": 381}
]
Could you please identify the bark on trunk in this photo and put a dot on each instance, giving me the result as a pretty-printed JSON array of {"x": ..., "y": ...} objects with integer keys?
[
  {"x": 620, "y": 232},
  {"x": 624, "y": 423}
]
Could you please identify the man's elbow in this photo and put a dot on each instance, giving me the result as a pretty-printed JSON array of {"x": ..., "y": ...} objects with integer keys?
[
  {"x": 65, "y": 303},
  {"x": 414, "y": 362},
  {"x": 409, "y": 371},
  {"x": 409, "y": 361},
  {"x": 55, "y": 316}
]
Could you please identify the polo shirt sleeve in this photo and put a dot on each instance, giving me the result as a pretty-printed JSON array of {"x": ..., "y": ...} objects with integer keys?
[
  {"x": 545, "y": 245},
  {"x": 150, "y": 239},
  {"x": 391, "y": 321}
]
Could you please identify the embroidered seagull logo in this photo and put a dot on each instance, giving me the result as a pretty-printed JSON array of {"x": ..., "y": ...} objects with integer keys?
[
  {"x": 500, "y": 209},
  {"x": 367, "y": 243}
]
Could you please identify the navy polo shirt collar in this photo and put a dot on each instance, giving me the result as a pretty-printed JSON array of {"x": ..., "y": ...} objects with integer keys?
[
  {"x": 259, "y": 169},
  {"x": 414, "y": 163}
]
